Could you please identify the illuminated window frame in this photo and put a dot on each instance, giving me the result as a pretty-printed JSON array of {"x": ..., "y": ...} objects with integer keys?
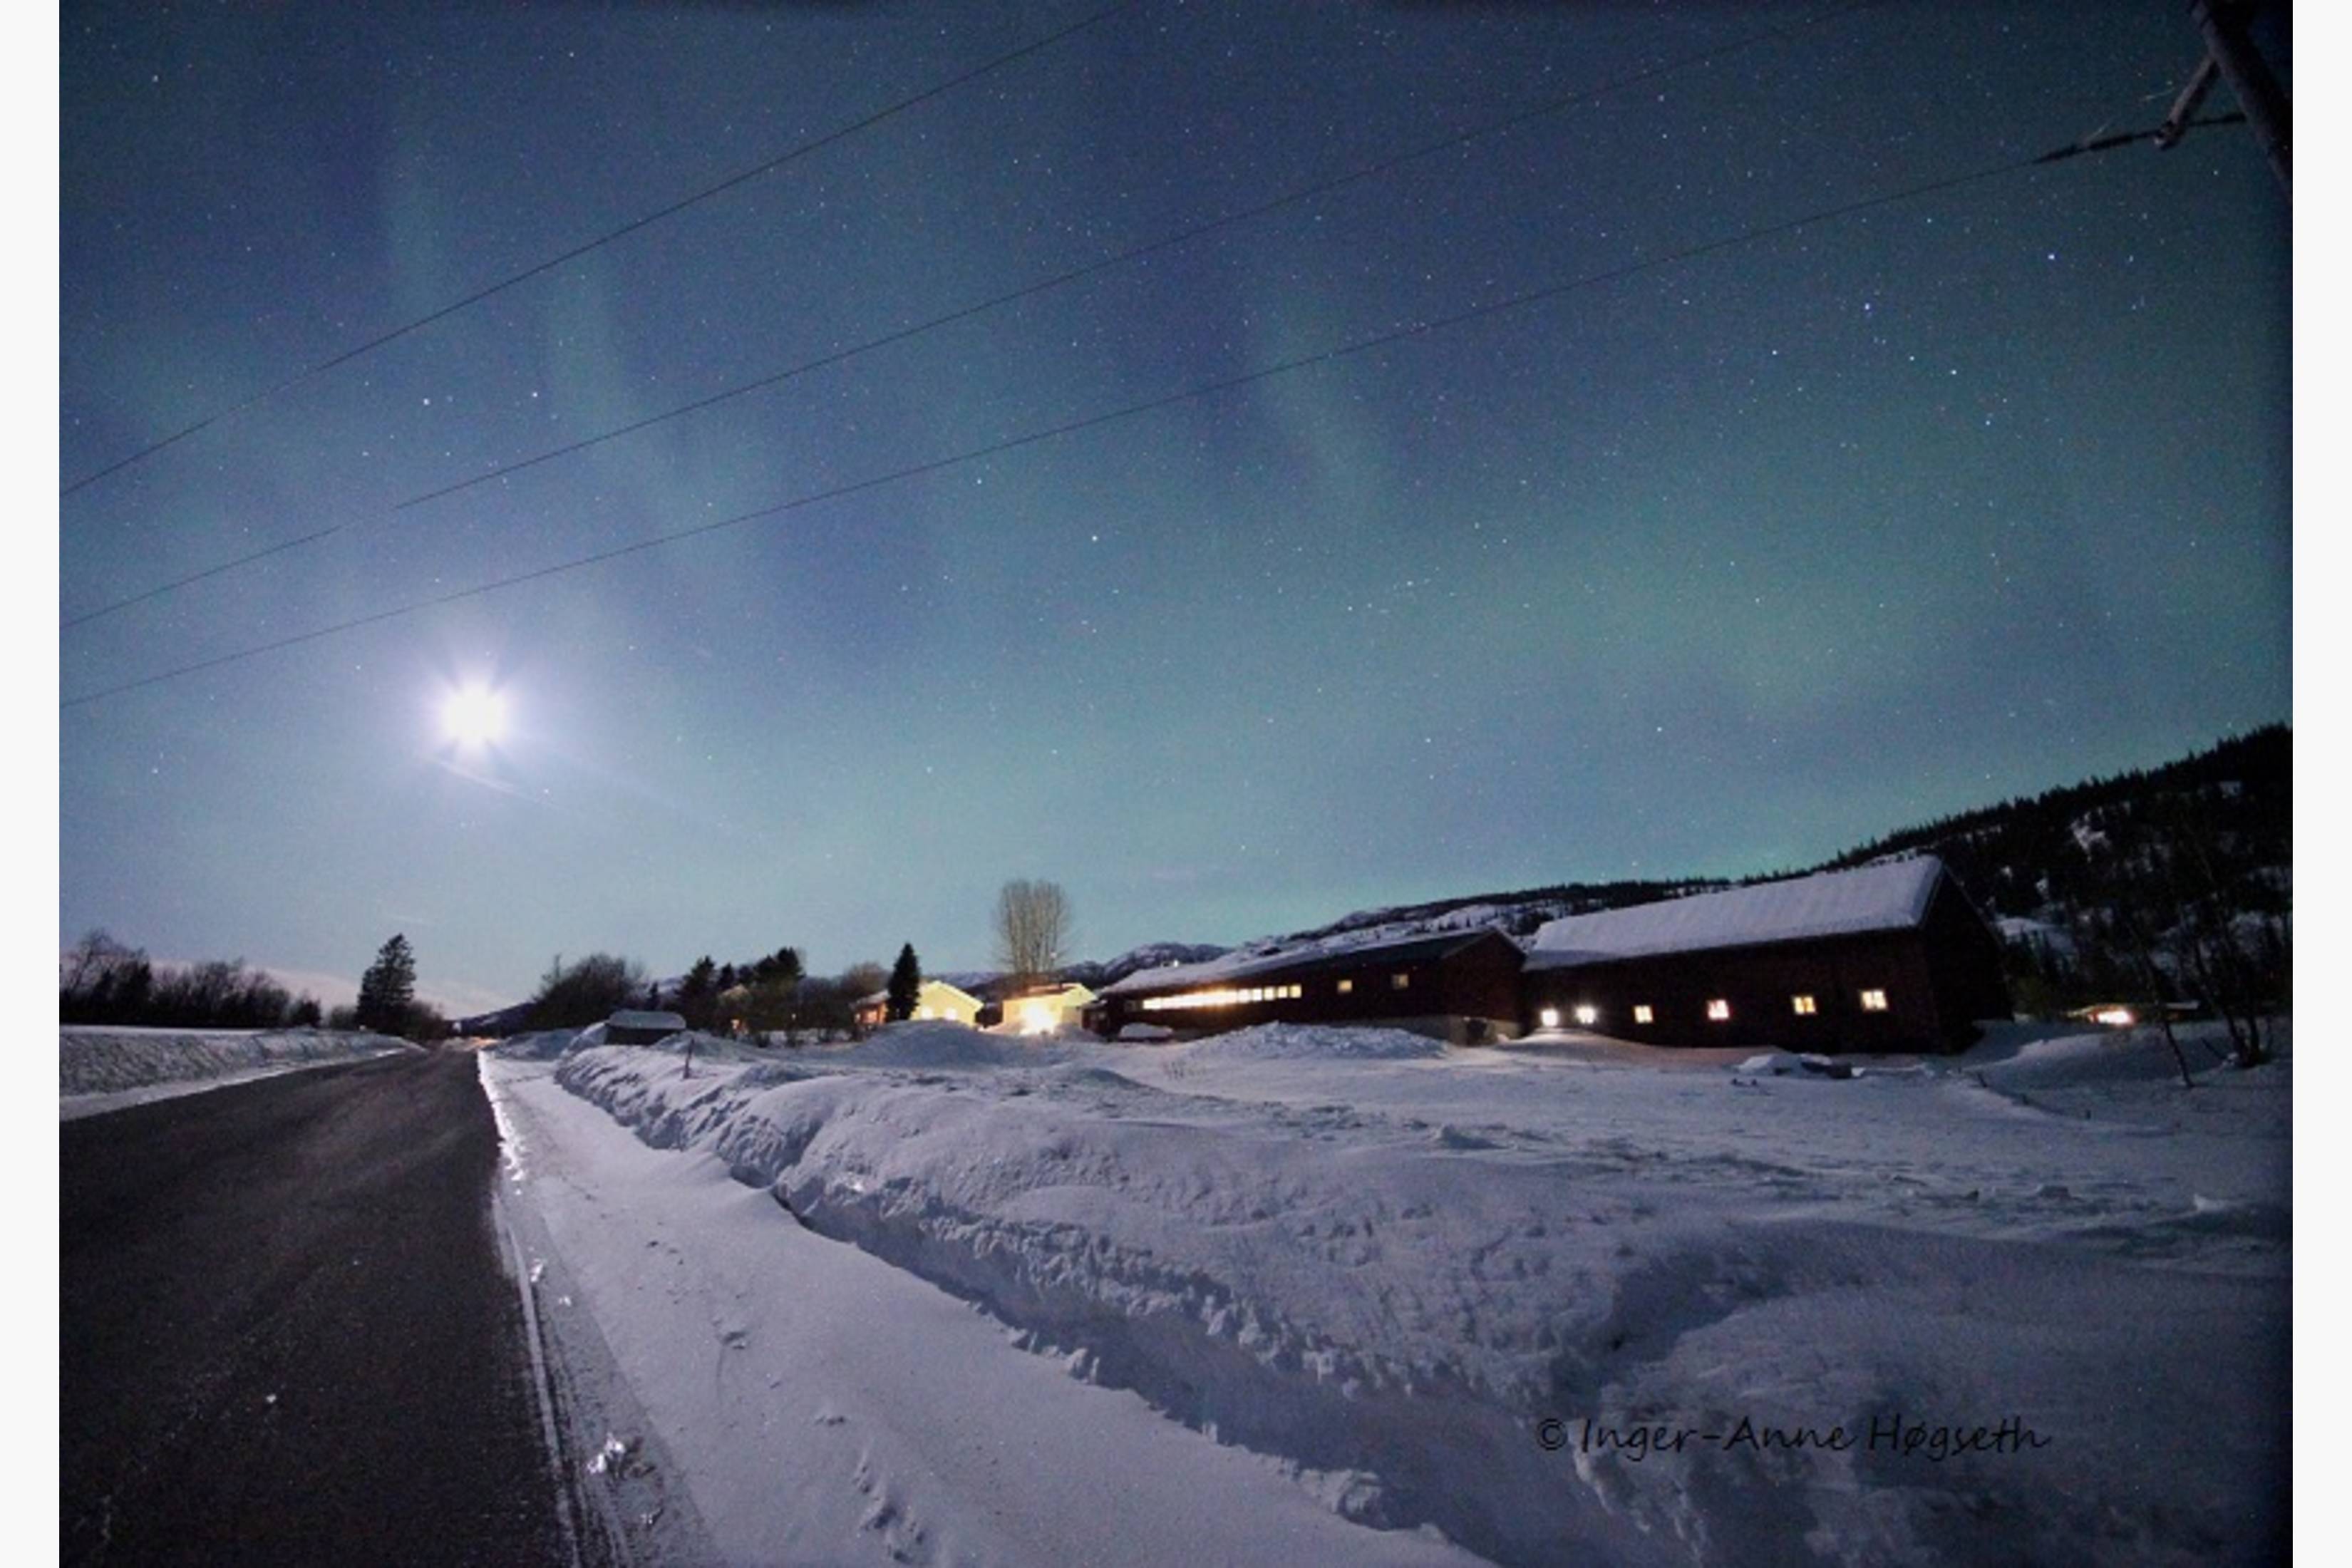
[
  {"x": 1803, "y": 1004},
  {"x": 1548, "y": 1018},
  {"x": 1400, "y": 980},
  {"x": 1874, "y": 1001},
  {"x": 1346, "y": 986},
  {"x": 1587, "y": 1015},
  {"x": 1719, "y": 1010},
  {"x": 1642, "y": 1014}
]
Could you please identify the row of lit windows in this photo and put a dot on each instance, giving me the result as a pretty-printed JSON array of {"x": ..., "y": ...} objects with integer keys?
[
  {"x": 1400, "y": 981},
  {"x": 1718, "y": 1009},
  {"x": 1227, "y": 998}
]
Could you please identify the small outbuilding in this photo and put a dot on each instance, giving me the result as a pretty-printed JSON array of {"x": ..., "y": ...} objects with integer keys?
[
  {"x": 1884, "y": 957},
  {"x": 632, "y": 1027}
]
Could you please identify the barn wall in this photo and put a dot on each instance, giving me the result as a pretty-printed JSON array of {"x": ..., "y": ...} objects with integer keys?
[
  {"x": 1441, "y": 996},
  {"x": 1759, "y": 983},
  {"x": 1965, "y": 960}
]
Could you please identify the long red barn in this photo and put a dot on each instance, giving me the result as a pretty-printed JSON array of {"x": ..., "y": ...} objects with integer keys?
[{"x": 1887, "y": 957}]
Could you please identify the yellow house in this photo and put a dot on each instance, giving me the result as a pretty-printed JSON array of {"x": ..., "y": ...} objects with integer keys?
[
  {"x": 1047, "y": 1010},
  {"x": 937, "y": 999},
  {"x": 933, "y": 999}
]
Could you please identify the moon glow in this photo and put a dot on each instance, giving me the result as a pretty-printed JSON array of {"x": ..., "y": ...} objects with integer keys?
[{"x": 474, "y": 716}]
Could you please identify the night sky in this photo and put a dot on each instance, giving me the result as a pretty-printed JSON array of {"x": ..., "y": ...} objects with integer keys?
[{"x": 1719, "y": 563}]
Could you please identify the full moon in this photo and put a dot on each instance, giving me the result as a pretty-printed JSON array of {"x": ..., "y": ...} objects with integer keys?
[{"x": 475, "y": 716}]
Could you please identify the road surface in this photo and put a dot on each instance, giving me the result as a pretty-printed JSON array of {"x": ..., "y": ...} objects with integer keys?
[{"x": 285, "y": 1335}]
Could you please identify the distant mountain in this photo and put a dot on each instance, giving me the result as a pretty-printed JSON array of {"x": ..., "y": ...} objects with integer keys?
[{"x": 1152, "y": 955}]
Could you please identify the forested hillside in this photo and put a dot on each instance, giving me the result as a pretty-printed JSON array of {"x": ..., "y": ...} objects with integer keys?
[{"x": 2176, "y": 881}]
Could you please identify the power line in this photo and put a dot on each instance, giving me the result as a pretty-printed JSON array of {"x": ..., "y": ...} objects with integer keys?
[
  {"x": 1093, "y": 421},
  {"x": 1306, "y": 192},
  {"x": 1324, "y": 187},
  {"x": 577, "y": 251},
  {"x": 2164, "y": 135}
]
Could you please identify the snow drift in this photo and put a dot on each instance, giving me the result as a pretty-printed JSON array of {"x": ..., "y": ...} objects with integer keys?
[
  {"x": 1425, "y": 1280},
  {"x": 105, "y": 1060}
]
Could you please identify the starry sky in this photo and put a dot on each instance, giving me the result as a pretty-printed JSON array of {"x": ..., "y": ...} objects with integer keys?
[{"x": 1609, "y": 520}]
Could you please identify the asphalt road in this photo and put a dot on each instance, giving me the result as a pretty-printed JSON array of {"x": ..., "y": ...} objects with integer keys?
[{"x": 285, "y": 1333}]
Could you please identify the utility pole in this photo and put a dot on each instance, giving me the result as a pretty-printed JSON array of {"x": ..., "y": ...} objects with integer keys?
[{"x": 2230, "y": 52}]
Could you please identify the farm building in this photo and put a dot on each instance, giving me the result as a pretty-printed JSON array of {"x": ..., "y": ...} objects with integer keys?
[
  {"x": 1043, "y": 1010},
  {"x": 1884, "y": 957},
  {"x": 1462, "y": 987},
  {"x": 637, "y": 1027},
  {"x": 933, "y": 999}
]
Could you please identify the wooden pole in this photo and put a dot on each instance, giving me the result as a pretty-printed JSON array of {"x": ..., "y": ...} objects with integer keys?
[{"x": 2223, "y": 23}]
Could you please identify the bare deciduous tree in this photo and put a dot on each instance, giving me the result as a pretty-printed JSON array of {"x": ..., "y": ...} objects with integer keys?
[{"x": 1033, "y": 929}]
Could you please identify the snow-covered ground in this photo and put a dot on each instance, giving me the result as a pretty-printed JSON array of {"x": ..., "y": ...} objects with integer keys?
[
  {"x": 1345, "y": 1295},
  {"x": 107, "y": 1067}
]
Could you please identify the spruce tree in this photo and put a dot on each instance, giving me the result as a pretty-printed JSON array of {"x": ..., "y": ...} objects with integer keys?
[
  {"x": 388, "y": 989},
  {"x": 906, "y": 984},
  {"x": 698, "y": 993}
]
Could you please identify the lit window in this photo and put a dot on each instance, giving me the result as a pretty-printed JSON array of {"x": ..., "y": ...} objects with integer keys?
[
  {"x": 1588, "y": 1015},
  {"x": 1874, "y": 1001},
  {"x": 1642, "y": 1014},
  {"x": 1548, "y": 1018},
  {"x": 1719, "y": 1010},
  {"x": 1803, "y": 1004},
  {"x": 2114, "y": 1017},
  {"x": 1399, "y": 982},
  {"x": 1346, "y": 986}
]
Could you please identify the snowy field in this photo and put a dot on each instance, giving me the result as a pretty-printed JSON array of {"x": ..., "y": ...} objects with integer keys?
[
  {"x": 1345, "y": 1295},
  {"x": 107, "y": 1067}
]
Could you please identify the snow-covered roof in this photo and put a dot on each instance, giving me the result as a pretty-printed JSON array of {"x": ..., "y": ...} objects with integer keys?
[
  {"x": 632, "y": 1019},
  {"x": 1056, "y": 991},
  {"x": 1890, "y": 896},
  {"x": 1247, "y": 962}
]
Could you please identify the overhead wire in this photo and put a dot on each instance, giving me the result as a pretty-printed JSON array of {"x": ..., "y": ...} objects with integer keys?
[
  {"x": 1089, "y": 422},
  {"x": 1319, "y": 188},
  {"x": 791, "y": 155}
]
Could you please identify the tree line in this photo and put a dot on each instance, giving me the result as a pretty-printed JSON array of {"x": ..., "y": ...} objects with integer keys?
[
  {"x": 769, "y": 996},
  {"x": 774, "y": 997},
  {"x": 101, "y": 979}
]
